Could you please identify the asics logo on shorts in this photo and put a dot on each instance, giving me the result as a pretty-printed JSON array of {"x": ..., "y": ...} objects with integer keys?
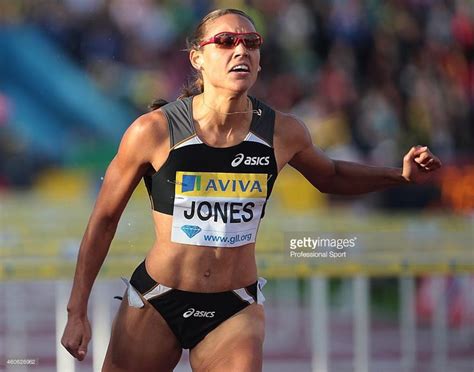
[
  {"x": 250, "y": 160},
  {"x": 198, "y": 313}
]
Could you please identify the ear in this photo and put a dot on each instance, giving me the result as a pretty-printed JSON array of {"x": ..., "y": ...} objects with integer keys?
[{"x": 196, "y": 59}]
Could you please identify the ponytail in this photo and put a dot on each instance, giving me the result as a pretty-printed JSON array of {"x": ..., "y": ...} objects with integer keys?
[
  {"x": 193, "y": 87},
  {"x": 157, "y": 103}
]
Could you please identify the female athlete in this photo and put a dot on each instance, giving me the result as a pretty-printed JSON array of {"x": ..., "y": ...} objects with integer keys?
[{"x": 209, "y": 161}]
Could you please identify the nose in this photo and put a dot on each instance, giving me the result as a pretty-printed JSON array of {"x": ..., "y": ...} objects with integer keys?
[{"x": 240, "y": 48}]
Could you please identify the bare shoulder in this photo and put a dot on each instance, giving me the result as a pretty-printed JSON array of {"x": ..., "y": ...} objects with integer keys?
[
  {"x": 291, "y": 129},
  {"x": 145, "y": 136},
  {"x": 149, "y": 127},
  {"x": 291, "y": 137}
]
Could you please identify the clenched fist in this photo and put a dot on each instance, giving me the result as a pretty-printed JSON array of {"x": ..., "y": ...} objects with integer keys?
[
  {"x": 419, "y": 164},
  {"x": 76, "y": 336}
]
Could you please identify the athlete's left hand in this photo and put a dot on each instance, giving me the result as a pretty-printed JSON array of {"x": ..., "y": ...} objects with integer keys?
[{"x": 419, "y": 165}]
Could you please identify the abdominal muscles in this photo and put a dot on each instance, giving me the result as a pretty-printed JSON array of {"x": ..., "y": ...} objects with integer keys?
[{"x": 198, "y": 268}]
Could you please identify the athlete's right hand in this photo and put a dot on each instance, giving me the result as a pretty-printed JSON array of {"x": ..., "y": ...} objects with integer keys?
[{"x": 77, "y": 335}]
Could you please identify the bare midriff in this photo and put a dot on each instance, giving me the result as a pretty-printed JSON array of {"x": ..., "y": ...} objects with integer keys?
[{"x": 198, "y": 268}]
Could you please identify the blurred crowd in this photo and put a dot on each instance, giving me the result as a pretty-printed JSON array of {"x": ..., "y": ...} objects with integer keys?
[{"x": 369, "y": 78}]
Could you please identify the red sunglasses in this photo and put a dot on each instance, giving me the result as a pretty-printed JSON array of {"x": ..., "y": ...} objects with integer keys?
[{"x": 228, "y": 40}]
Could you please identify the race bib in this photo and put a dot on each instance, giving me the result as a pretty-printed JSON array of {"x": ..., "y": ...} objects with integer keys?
[{"x": 217, "y": 209}]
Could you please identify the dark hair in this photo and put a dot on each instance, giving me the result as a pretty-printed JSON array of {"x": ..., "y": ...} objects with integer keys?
[
  {"x": 195, "y": 85},
  {"x": 157, "y": 103}
]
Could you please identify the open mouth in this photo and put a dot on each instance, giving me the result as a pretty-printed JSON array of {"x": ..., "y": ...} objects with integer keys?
[{"x": 241, "y": 69}]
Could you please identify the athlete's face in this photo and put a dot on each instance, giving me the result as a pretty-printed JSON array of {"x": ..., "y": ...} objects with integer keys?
[{"x": 218, "y": 64}]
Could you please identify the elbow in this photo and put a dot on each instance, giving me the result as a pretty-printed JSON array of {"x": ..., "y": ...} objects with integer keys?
[
  {"x": 323, "y": 190},
  {"x": 110, "y": 223},
  {"x": 106, "y": 223},
  {"x": 325, "y": 185},
  {"x": 326, "y": 190},
  {"x": 327, "y": 181}
]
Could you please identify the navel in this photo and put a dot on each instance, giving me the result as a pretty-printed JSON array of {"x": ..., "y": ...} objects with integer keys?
[{"x": 207, "y": 274}]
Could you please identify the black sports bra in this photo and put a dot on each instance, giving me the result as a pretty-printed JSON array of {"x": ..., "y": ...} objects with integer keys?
[{"x": 216, "y": 196}]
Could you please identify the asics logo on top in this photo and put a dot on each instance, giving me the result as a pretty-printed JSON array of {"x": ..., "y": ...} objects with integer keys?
[
  {"x": 250, "y": 160},
  {"x": 238, "y": 159},
  {"x": 198, "y": 314}
]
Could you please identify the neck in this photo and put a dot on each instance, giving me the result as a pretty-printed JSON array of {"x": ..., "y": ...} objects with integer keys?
[{"x": 223, "y": 110}]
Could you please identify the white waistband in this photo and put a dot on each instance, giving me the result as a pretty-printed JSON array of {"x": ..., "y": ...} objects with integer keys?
[{"x": 134, "y": 299}]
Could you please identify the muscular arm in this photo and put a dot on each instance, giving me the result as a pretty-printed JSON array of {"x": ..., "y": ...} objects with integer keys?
[
  {"x": 348, "y": 178},
  {"x": 343, "y": 177},
  {"x": 123, "y": 174},
  {"x": 141, "y": 143},
  {"x": 119, "y": 182}
]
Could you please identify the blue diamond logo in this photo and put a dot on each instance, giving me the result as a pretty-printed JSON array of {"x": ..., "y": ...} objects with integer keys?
[{"x": 190, "y": 230}]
